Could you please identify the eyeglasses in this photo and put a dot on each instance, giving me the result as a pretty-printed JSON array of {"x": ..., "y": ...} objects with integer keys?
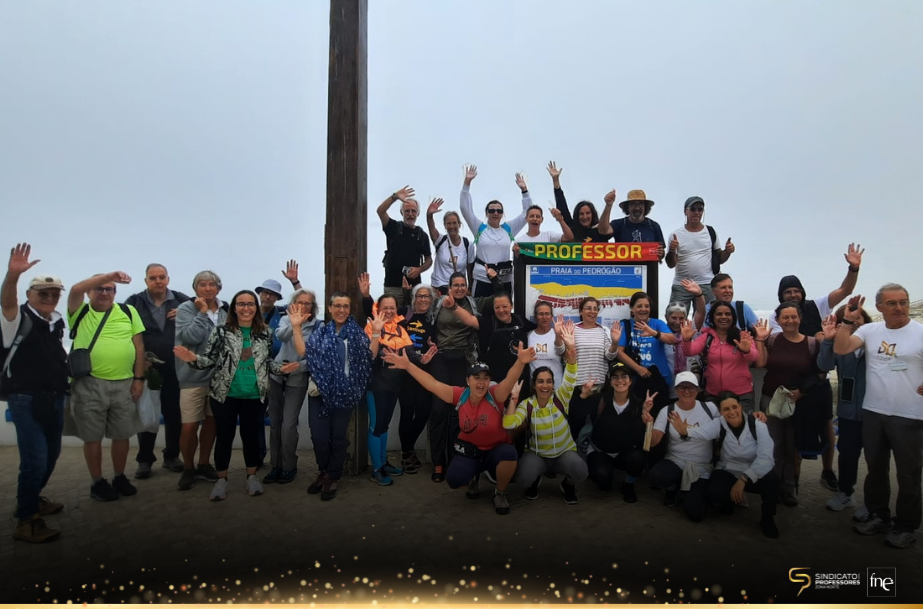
[
  {"x": 305, "y": 304},
  {"x": 424, "y": 296},
  {"x": 340, "y": 307},
  {"x": 105, "y": 290},
  {"x": 590, "y": 309},
  {"x": 48, "y": 294},
  {"x": 245, "y": 305},
  {"x": 495, "y": 211},
  {"x": 459, "y": 286},
  {"x": 687, "y": 388},
  {"x": 894, "y": 304}
]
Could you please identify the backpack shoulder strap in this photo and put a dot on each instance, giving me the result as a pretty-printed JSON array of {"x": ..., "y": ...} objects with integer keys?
[
  {"x": 463, "y": 398},
  {"x": 480, "y": 230},
  {"x": 712, "y": 234},
  {"x": 741, "y": 319},
  {"x": 466, "y": 242},
  {"x": 80, "y": 316},
  {"x": 558, "y": 404},
  {"x": 126, "y": 311},
  {"x": 751, "y": 423},
  {"x": 442, "y": 240},
  {"x": 670, "y": 409},
  {"x": 711, "y": 417},
  {"x": 25, "y": 326},
  {"x": 509, "y": 230},
  {"x": 719, "y": 443}
]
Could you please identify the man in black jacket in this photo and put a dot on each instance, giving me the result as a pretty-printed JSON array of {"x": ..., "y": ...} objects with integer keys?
[{"x": 157, "y": 307}]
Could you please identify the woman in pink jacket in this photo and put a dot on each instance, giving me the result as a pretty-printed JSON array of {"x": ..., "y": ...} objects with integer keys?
[{"x": 726, "y": 353}]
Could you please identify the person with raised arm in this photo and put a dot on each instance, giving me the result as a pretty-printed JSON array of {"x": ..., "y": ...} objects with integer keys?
[
  {"x": 453, "y": 252},
  {"x": 636, "y": 226},
  {"x": 585, "y": 223},
  {"x": 483, "y": 445},
  {"x": 408, "y": 253},
  {"x": 493, "y": 238},
  {"x": 534, "y": 232}
]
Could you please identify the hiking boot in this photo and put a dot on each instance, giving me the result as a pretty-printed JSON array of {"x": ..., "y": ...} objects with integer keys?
[
  {"x": 900, "y": 539},
  {"x": 254, "y": 486},
  {"x": 532, "y": 491},
  {"x": 47, "y": 507},
  {"x": 628, "y": 492},
  {"x": 174, "y": 464},
  {"x": 390, "y": 470},
  {"x": 438, "y": 474},
  {"x": 329, "y": 490},
  {"x": 187, "y": 480},
  {"x": 861, "y": 514},
  {"x": 123, "y": 486},
  {"x": 570, "y": 493},
  {"x": 288, "y": 476},
  {"x": 143, "y": 472},
  {"x": 102, "y": 491},
  {"x": 501, "y": 505},
  {"x": 219, "y": 491},
  {"x": 840, "y": 502},
  {"x": 34, "y": 530},
  {"x": 318, "y": 485},
  {"x": 411, "y": 463},
  {"x": 789, "y": 499},
  {"x": 670, "y": 498},
  {"x": 473, "y": 491},
  {"x": 205, "y": 471},
  {"x": 828, "y": 479},
  {"x": 381, "y": 478},
  {"x": 769, "y": 528},
  {"x": 273, "y": 476},
  {"x": 873, "y": 526}
]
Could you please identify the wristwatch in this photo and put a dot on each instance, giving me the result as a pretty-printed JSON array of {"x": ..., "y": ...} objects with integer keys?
[{"x": 139, "y": 378}]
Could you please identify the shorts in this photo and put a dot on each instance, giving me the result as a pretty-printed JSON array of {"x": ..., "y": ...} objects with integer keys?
[
  {"x": 194, "y": 404},
  {"x": 103, "y": 408}
]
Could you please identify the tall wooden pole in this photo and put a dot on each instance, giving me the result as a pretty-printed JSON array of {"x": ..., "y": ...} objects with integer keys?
[{"x": 345, "y": 247}]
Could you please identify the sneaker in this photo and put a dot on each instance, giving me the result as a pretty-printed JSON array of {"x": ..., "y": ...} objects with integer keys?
[
  {"x": 670, "y": 498},
  {"x": 873, "y": 526},
  {"x": 187, "y": 480},
  {"x": 219, "y": 491},
  {"x": 473, "y": 491},
  {"x": 34, "y": 531},
  {"x": 254, "y": 486},
  {"x": 123, "y": 486},
  {"x": 828, "y": 479},
  {"x": 551, "y": 475},
  {"x": 411, "y": 463},
  {"x": 381, "y": 478},
  {"x": 205, "y": 471},
  {"x": 532, "y": 491},
  {"x": 491, "y": 477},
  {"x": 769, "y": 528},
  {"x": 840, "y": 502},
  {"x": 143, "y": 472},
  {"x": 861, "y": 514},
  {"x": 501, "y": 505},
  {"x": 438, "y": 474},
  {"x": 329, "y": 490},
  {"x": 318, "y": 485},
  {"x": 47, "y": 507},
  {"x": 390, "y": 470},
  {"x": 174, "y": 464},
  {"x": 570, "y": 493},
  {"x": 102, "y": 491},
  {"x": 628, "y": 492},
  {"x": 789, "y": 499},
  {"x": 273, "y": 476},
  {"x": 288, "y": 476},
  {"x": 900, "y": 539}
]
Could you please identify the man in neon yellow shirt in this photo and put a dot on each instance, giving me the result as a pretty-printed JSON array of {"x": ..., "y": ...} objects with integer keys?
[{"x": 103, "y": 403}]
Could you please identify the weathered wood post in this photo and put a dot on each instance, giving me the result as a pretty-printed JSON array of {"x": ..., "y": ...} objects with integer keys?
[{"x": 345, "y": 247}]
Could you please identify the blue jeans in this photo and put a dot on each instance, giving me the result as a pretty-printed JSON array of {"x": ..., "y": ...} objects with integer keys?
[{"x": 39, "y": 448}]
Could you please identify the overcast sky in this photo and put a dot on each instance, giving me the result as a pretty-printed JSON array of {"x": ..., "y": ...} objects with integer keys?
[{"x": 193, "y": 133}]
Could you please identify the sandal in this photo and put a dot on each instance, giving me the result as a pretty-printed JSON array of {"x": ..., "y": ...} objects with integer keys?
[{"x": 438, "y": 475}]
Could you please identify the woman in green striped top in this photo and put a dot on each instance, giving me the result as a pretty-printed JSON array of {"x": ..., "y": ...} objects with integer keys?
[{"x": 551, "y": 447}]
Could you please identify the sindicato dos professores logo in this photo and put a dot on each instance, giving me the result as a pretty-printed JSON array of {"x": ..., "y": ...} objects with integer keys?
[{"x": 800, "y": 578}]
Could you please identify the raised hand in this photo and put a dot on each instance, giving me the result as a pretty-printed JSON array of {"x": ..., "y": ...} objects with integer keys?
[
  {"x": 377, "y": 321},
  {"x": 554, "y": 171},
  {"x": 399, "y": 361},
  {"x": 471, "y": 172},
  {"x": 829, "y": 327},
  {"x": 687, "y": 330},
  {"x": 296, "y": 315},
  {"x": 521, "y": 182},
  {"x": 429, "y": 355},
  {"x": 854, "y": 255},
  {"x": 404, "y": 193},
  {"x": 649, "y": 400},
  {"x": 559, "y": 325},
  {"x": 745, "y": 342},
  {"x": 678, "y": 423},
  {"x": 762, "y": 330},
  {"x": 514, "y": 393},
  {"x": 184, "y": 354},
  {"x": 365, "y": 285},
  {"x": 729, "y": 247},
  {"x": 567, "y": 335},
  {"x": 118, "y": 277},
  {"x": 615, "y": 332},
  {"x": 19, "y": 259},
  {"x": 448, "y": 301},
  {"x": 434, "y": 206},
  {"x": 674, "y": 244},
  {"x": 587, "y": 388},
  {"x": 291, "y": 271},
  {"x": 525, "y": 355},
  {"x": 645, "y": 329},
  {"x": 691, "y": 287},
  {"x": 556, "y": 214},
  {"x": 610, "y": 197},
  {"x": 853, "y": 310}
]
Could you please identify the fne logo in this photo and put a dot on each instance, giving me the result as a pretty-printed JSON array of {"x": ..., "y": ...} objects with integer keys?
[{"x": 882, "y": 581}]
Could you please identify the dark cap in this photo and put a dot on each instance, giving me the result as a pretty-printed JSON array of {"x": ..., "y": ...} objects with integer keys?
[
  {"x": 617, "y": 365},
  {"x": 692, "y": 201},
  {"x": 477, "y": 368}
]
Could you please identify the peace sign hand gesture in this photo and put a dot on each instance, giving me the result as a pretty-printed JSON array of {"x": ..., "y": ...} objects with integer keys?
[{"x": 649, "y": 400}]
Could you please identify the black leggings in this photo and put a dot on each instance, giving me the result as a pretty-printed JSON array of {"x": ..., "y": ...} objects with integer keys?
[
  {"x": 722, "y": 481},
  {"x": 251, "y": 424},
  {"x": 448, "y": 367},
  {"x": 666, "y": 474},
  {"x": 416, "y": 405},
  {"x": 602, "y": 467}
]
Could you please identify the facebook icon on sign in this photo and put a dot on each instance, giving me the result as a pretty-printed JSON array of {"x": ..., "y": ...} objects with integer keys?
[{"x": 882, "y": 581}]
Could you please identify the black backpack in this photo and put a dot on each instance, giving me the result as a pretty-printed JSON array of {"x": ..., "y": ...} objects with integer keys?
[{"x": 715, "y": 254}]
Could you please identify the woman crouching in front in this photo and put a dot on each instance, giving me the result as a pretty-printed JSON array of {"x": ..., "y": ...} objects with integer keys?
[
  {"x": 744, "y": 459},
  {"x": 483, "y": 444}
]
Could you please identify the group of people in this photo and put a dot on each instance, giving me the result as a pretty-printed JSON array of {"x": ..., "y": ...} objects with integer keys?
[{"x": 517, "y": 399}]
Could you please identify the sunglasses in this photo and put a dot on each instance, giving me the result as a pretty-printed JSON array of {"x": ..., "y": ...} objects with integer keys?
[{"x": 495, "y": 211}]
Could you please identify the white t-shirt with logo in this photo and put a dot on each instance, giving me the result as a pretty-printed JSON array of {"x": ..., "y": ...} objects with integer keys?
[
  {"x": 693, "y": 257},
  {"x": 678, "y": 450},
  {"x": 894, "y": 369},
  {"x": 546, "y": 355},
  {"x": 546, "y": 236}
]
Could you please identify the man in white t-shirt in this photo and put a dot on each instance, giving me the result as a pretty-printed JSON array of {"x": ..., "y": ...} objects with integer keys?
[
  {"x": 534, "y": 232},
  {"x": 690, "y": 253},
  {"x": 892, "y": 418}
]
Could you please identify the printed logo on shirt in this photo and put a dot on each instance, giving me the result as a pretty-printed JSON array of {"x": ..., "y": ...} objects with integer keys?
[
  {"x": 541, "y": 348},
  {"x": 888, "y": 349}
]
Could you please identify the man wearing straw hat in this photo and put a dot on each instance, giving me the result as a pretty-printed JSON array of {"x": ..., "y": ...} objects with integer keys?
[{"x": 636, "y": 227}]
